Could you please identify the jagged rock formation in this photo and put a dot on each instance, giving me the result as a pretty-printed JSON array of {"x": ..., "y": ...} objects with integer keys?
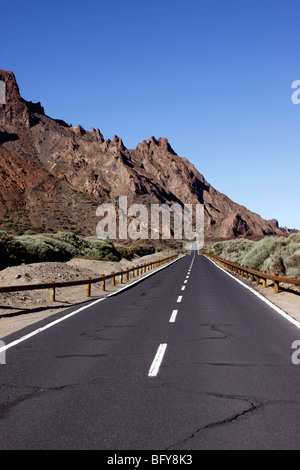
[{"x": 76, "y": 170}]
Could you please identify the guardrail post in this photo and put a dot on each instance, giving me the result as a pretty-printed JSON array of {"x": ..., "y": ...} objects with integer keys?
[
  {"x": 257, "y": 280},
  {"x": 264, "y": 281},
  {"x": 133, "y": 274},
  {"x": 88, "y": 288},
  {"x": 121, "y": 277},
  {"x": 52, "y": 292},
  {"x": 113, "y": 279},
  {"x": 137, "y": 270},
  {"x": 127, "y": 276},
  {"x": 102, "y": 282},
  {"x": 276, "y": 286}
]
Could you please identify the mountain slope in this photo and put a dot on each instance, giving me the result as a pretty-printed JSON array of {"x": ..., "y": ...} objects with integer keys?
[{"x": 85, "y": 167}]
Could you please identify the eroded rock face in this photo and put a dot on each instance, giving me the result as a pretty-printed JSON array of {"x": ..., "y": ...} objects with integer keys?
[
  {"x": 16, "y": 111},
  {"x": 31, "y": 197},
  {"x": 80, "y": 165}
]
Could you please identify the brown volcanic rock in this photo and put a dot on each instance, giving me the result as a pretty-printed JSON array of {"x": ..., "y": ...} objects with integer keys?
[
  {"x": 16, "y": 110},
  {"x": 38, "y": 200},
  {"x": 84, "y": 162}
]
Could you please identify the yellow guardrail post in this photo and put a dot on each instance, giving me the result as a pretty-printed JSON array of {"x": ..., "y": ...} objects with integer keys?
[
  {"x": 264, "y": 281},
  {"x": 52, "y": 292},
  {"x": 88, "y": 288},
  {"x": 102, "y": 282}
]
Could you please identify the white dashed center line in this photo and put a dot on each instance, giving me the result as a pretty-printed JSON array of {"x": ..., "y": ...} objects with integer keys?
[
  {"x": 173, "y": 316},
  {"x": 153, "y": 371},
  {"x": 157, "y": 360}
]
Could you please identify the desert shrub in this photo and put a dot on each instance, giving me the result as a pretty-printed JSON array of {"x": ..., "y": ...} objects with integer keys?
[
  {"x": 272, "y": 254},
  {"x": 68, "y": 244},
  {"x": 274, "y": 264},
  {"x": 12, "y": 251},
  {"x": 294, "y": 238},
  {"x": 63, "y": 246},
  {"x": 125, "y": 251},
  {"x": 79, "y": 243},
  {"x": 37, "y": 250},
  {"x": 141, "y": 250},
  {"x": 130, "y": 251},
  {"x": 64, "y": 251},
  {"x": 232, "y": 250},
  {"x": 292, "y": 264},
  {"x": 102, "y": 250},
  {"x": 261, "y": 251}
]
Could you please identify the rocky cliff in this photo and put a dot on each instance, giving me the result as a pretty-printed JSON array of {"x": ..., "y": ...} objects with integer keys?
[{"x": 57, "y": 174}]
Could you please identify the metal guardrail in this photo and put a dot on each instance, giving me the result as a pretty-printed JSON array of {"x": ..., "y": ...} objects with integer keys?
[
  {"x": 253, "y": 274},
  {"x": 52, "y": 285}
]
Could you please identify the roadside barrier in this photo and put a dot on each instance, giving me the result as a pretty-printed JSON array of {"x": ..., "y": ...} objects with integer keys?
[
  {"x": 253, "y": 274},
  {"x": 52, "y": 285}
]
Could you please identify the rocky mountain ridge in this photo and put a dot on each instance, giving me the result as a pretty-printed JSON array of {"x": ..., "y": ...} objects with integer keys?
[{"x": 58, "y": 174}]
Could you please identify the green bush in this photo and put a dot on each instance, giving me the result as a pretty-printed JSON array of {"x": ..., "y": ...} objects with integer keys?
[
  {"x": 63, "y": 246},
  {"x": 261, "y": 251},
  {"x": 292, "y": 264},
  {"x": 272, "y": 254},
  {"x": 12, "y": 251},
  {"x": 130, "y": 251},
  {"x": 142, "y": 250},
  {"x": 37, "y": 250},
  {"x": 125, "y": 251},
  {"x": 232, "y": 250},
  {"x": 102, "y": 250}
]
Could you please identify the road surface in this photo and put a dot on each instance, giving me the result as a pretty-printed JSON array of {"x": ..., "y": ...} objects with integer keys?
[{"x": 186, "y": 359}]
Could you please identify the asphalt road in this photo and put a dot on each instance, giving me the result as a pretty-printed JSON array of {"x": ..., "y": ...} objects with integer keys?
[{"x": 180, "y": 361}]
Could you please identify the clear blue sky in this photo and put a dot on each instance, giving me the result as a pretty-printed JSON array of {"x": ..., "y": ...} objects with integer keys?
[{"x": 214, "y": 77}]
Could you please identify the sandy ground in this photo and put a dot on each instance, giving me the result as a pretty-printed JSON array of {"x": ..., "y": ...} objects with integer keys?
[{"x": 20, "y": 309}]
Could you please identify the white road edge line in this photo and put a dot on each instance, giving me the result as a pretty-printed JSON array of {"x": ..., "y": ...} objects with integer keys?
[
  {"x": 153, "y": 371},
  {"x": 173, "y": 316},
  {"x": 65, "y": 317},
  {"x": 267, "y": 301}
]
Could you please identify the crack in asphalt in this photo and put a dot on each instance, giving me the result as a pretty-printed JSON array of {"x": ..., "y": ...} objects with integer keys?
[
  {"x": 253, "y": 407},
  {"x": 9, "y": 403},
  {"x": 254, "y": 404},
  {"x": 67, "y": 356}
]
